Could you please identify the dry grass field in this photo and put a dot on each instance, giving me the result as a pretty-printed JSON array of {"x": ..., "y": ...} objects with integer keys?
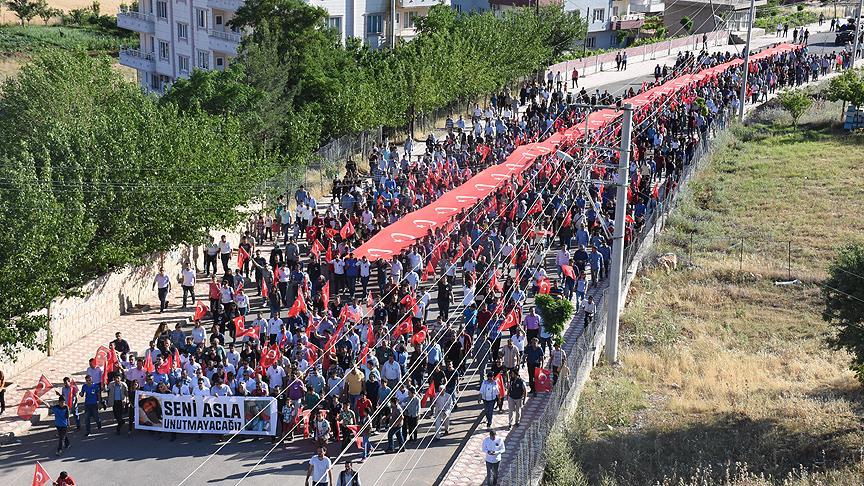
[
  {"x": 725, "y": 376},
  {"x": 107, "y": 7}
]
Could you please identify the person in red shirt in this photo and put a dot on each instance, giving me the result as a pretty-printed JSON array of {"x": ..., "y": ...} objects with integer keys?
[
  {"x": 364, "y": 406},
  {"x": 64, "y": 480}
]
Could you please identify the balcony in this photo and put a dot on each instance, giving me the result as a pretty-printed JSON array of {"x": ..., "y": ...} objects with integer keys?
[
  {"x": 421, "y": 3},
  {"x": 647, "y": 6},
  {"x": 224, "y": 41},
  {"x": 137, "y": 59},
  {"x": 136, "y": 21},
  {"x": 627, "y": 22},
  {"x": 229, "y": 5}
]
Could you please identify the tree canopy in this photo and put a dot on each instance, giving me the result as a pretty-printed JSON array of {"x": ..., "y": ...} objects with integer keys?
[
  {"x": 98, "y": 175},
  {"x": 844, "y": 304}
]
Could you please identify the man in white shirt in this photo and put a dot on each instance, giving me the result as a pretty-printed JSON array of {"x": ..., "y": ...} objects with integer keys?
[
  {"x": 225, "y": 252},
  {"x": 273, "y": 327},
  {"x": 396, "y": 269},
  {"x": 261, "y": 324},
  {"x": 493, "y": 448},
  {"x": 221, "y": 390},
  {"x": 201, "y": 390},
  {"x": 319, "y": 470},
  {"x": 188, "y": 284},
  {"x": 163, "y": 282},
  {"x": 489, "y": 395},
  {"x": 276, "y": 375},
  {"x": 391, "y": 372}
]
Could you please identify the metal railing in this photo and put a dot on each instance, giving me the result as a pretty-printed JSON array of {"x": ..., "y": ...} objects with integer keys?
[
  {"x": 137, "y": 53},
  {"x": 126, "y": 11},
  {"x": 522, "y": 470},
  {"x": 225, "y": 35}
]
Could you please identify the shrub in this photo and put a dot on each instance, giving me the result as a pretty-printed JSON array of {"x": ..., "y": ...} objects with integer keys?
[{"x": 556, "y": 313}]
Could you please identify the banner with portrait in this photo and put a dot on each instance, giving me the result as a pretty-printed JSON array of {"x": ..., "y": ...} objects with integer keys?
[{"x": 205, "y": 415}]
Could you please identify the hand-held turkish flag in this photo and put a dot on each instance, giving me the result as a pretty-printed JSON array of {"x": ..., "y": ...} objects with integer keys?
[
  {"x": 40, "y": 475},
  {"x": 567, "y": 219},
  {"x": 265, "y": 289},
  {"x": 429, "y": 395},
  {"x": 175, "y": 361},
  {"x": 403, "y": 328},
  {"x": 363, "y": 353},
  {"x": 73, "y": 391},
  {"x": 410, "y": 302},
  {"x": 240, "y": 330},
  {"x": 330, "y": 253},
  {"x": 317, "y": 248},
  {"x": 325, "y": 295},
  {"x": 201, "y": 311},
  {"x": 101, "y": 357},
  {"x": 511, "y": 320},
  {"x": 542, "y": 380},
  {"x": 499, "y": 380},
  {"x": 242, "y": 257},
  {"x": 420, "y": 336},
  {"x": 358, "y": 439},
  {"x": 347, "y": 230},
  {"x": 28, "y": 405},
  {"x": 537, "y": 207},
  {"x": 270, "y": 355},
  {"x": 148, "y": 362},
  {"x": 43, "y": 386},
  {"x": 298, "y": 306},
  {"x": 494, "y": 283},
  {"x": 543, "y": 286},
  {"x": 165, "y": 367},
  {"x": 428, "y": 272},
  {"x": 568, "y": 272}
]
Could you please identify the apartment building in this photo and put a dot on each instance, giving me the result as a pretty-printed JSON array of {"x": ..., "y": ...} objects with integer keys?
[
  {"x": 607, "y": 17},
  {"x": 177, "y": 36}
]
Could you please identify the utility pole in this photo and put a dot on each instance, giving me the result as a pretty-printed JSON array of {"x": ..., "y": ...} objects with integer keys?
[
  {"x": 742, "y": 98},
  {"x": 585, "y": 40},
  {"x": 393, "y": 15},
  {"x": 617, "y": 263},
  {"x": 858, "y": 32}
]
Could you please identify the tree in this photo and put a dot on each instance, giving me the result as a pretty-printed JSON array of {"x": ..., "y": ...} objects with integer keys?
[
  {"x": 687, "y": 24},
  {"x": 796, "y": 102},
  {"x": 844, "y": 304},
  {"x": 556, "y": 313},
  {"x": 848, "y": 87},
  {"x": 46, "y": 13},
  {"x": 25, "y": 10},
  {"x": 91, "y": 191}
]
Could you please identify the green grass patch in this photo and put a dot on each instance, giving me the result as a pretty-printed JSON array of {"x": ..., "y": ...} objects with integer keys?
[{"x": 28, "y": 39}]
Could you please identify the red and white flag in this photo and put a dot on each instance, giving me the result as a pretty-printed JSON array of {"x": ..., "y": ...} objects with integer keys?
[
  {"x": 40, "y": 475},
  {"x": 43, "y": 386},
  {"x": 510, "y": 321},
  {"x": 201, "y": 311},
  {"x": 242, "y": 257},
  {"x": 542, "y": 380},
  {"x": 347, "y": 230},
  {"x": 28, "y": 405}
]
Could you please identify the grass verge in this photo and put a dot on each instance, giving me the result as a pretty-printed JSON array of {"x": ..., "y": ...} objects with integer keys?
[
  {"x": 726, "y": 377},
  {"x": 29, "y": 39}
]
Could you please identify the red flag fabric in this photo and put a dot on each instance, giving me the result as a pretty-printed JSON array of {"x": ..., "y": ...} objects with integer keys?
[
  {"x": 512, "y": 320},
  {"x": 270, "y": 355},
  {"x": 240, "y": 330},
  {"x": 655, "y": 194},
  {"x": 420, "y": 336},
  {"x": 28, "y": 405},
  {"x": 629, "y": 219},
  {"x": 429, "y": 271},
  {"x": 370, "y": 302},
  {"x": 149, "y": 367},
  {"x": 542, "y": 380},
  {"x": 544, "y": 287},
  {"x": 537, "y": 207},
  {"x": 403, "y": 328},
  {"x": 358, "y": 439},
  {"x": 242, "y": 257},
  {"x": 317, "y": 248},
  {"x": 429, "y": 395},
  {"x": 101, "y": 357},
  {"x": 568, "y": 271},
  {"x": 410, "y": 302},
  {"x": 329, "y": 253},
  {"x": 175, "y": 361},
  {"x": 325, "y": 294},
  {"x": 494, "y": 283},
  {"x": 111, "y": 364},
  {"x": 201, "y": 311},
  {"x": 40, "y": 475},
  {"x": 499, "y": 380},
  {"x": 43, "y": 386},
  {"x": 347, "y": 230},
  {"x": 165, "y": 367},
  {"x": 567, "y": 219},
  {"x": 73, "y": 390},
  {"x": 265, "y": 289},
  {"x": 298, "y": 306},
  {"x": 363, "y": 353}
]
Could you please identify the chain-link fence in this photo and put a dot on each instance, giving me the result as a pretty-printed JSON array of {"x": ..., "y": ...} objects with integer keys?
[{"x": 525, "y": 466}]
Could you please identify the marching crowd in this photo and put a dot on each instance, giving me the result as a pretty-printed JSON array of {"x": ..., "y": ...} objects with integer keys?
[{"x": 346, "y": 345}]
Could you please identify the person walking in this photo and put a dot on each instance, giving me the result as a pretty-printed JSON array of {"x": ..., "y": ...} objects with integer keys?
[
  {"x": 163, "y": 282},
  {"x": 489, "y": 396},
  {"x": 64, "y": 479},
  {"x": 3, "y": 386},
  {"x": 320, "y": 469},
  {"x": 516, "y": 396},
  {"x": 493, "y": 448},
  {"x": 91, "y": 392},
  {"x": 412, "y": 415},
  {"x": 188, "y": 284},
  {"x": 118, "y": 396},
  {"x": 61, "y": 423},
  {"x": 533, "y": 359},
  {"x": 348, "y": 476},
  {"x": 443, "y": 405}
]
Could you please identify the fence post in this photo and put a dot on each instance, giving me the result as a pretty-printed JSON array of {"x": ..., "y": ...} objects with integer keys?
[{"x": 789, "y": 260}]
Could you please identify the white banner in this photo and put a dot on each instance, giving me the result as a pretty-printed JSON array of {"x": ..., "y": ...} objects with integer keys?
[{"x": 205, "y": 415}]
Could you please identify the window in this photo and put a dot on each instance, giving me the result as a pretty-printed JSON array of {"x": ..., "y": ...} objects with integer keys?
[
  {"x": 220, "y": 62},
  {"x": 614, "y": 11},
  {"x": 458, "y": 8},
  {"x": 411, "y": 19},
  {"x": 201, "y": 18},
  {"x": 154, "y": 81},
  {"x": 152, "y": 41},
  {"x": 374, "y": 24},
  {"x": 590, "y": 41},
  {"x": 163, "y": 50},
  {"x": 182, "y": 30},
  {"x": 599, "y": 15},
  {"x": 162, "y": 10},
  {"x": 217, "y": 20},
  {"x": 335, "y": 23},
  {"x": 204, "y": 59},
  {"x": 183, "y": 63}
]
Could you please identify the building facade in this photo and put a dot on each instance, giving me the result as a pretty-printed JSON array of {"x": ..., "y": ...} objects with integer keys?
[
  {"x": 607, "y": 18},
  {"x": 178, "y": 36}
]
